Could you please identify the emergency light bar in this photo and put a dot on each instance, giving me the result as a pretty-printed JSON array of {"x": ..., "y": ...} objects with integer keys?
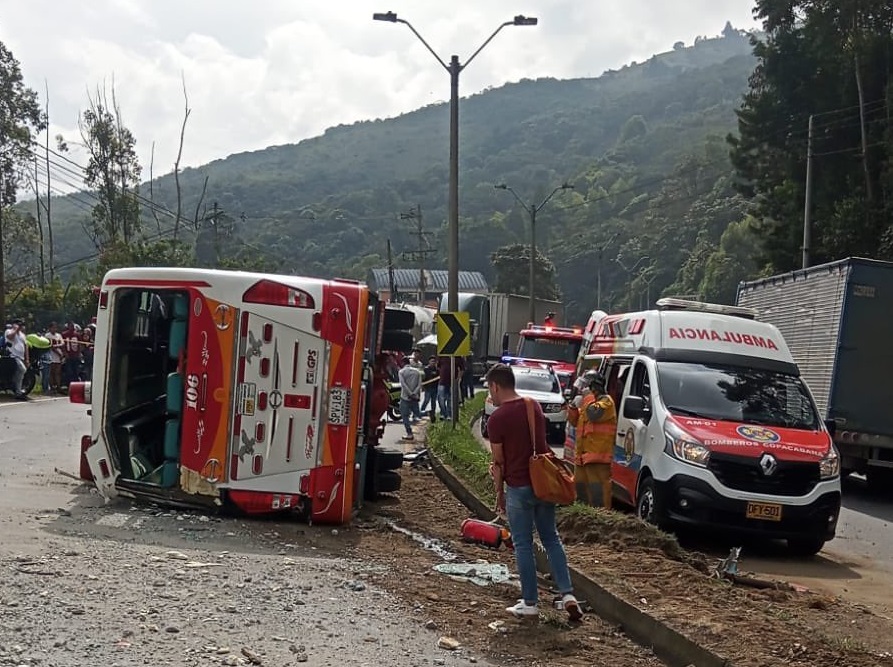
[
  {"x": 700, "y": 307},
  {"x": 546, "y": 328}
]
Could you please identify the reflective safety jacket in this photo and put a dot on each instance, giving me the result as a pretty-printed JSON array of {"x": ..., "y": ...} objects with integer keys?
[{"x": 595, "y": 438}]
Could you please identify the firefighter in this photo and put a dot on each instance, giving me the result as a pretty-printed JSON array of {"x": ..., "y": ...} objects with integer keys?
[{"x": 595, "y": 417}]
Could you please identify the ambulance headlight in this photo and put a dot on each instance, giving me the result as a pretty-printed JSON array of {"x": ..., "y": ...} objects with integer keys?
[
  {"x": 829, "y": 467},
  {"x": 682, "y": 446}
]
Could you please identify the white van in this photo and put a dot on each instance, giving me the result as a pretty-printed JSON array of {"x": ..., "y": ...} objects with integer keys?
[{"x": 715, "y": 427}]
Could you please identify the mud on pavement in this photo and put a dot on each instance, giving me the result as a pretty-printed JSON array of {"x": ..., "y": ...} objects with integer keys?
[{"x": 128, "y": 584}]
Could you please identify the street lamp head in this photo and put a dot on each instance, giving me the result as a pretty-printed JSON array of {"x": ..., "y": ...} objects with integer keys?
[
  {"x": 387, "y": 16},
  {"x": 520, "y": 19}
]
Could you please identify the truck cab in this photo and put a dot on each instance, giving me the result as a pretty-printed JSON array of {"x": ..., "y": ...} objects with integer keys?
[
  {"x": 715, "y": 427},
  {"x": 556, "y": 346}
]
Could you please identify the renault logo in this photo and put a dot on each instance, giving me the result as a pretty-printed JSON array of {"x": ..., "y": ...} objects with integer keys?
[{"x": 768, "y": 464}]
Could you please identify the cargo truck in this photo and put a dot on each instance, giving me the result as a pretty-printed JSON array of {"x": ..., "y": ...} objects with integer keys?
[
  {"x": 836, "y": 319},
  {"x": 497, "y": 321}
]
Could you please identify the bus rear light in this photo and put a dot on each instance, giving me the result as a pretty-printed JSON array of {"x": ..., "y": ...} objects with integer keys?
[
  {"x": 103, "y": 300},
  {"x": 85, "y": 473},
  {"x": 271, "y": 293},
  {"x": 104, "y": 468},
  {"x": 317, "y": 321},
  {"x": 257, "y": 465},
  {"x": 268, "y": 332},
  {"x": 259, "y": 432},
  {"x": 262, "y": 401},
  {"x": 304, "y": 485},
  {"x": 264, "y": 367},
  {"x": 79, "y": 392}
]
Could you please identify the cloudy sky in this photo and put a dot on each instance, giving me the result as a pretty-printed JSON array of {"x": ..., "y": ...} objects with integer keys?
[{"x": 267, "y": 72}]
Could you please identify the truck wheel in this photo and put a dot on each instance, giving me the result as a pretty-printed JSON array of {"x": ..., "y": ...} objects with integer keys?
[
  {"x": 647, "y": 508},
  {"x": 388, "y": 459},
  {"x": 805, "y": 547},
  {"x": 388, "y": 482},
  {"x": 879, "y": 480}
]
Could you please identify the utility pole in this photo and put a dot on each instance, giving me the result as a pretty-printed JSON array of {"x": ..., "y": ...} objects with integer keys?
[
  {"x": 423, "y": 251},
  {"x": 532, "y": 210},
  {"x": 392, "y": 286},
  {"x": 601, "y": 253},
  {"x": 215, "y": 220},
  {"x": 807, "y": 207},
  {"x": 2, "y": 264}
]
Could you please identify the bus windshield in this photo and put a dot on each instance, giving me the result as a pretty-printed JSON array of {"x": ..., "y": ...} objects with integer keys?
[
  {"x": 549, "y": 349},
  {"x": 736, "y": 394}
]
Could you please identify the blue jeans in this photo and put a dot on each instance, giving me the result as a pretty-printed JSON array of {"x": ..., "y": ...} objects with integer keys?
[
  {"x": 430, "y": 398},
  {"x": 444, "y": 400},
  {"x": 406, "y": 407},
  {"x": 525, "y": 511}
]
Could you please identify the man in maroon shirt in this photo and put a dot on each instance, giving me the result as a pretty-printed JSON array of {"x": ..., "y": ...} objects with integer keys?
[{"x": 510, "y": 444}]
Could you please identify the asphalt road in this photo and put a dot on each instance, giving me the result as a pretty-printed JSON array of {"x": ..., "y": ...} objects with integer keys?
[{"x": 132, "y": 584}]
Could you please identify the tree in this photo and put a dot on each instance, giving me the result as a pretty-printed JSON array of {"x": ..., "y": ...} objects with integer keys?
[
  {"x": 512, "y": 266},
  {"x": 113, "y": 171},
  {"x": 20, "y": 117},
  {"x": 831, "y": 60}
]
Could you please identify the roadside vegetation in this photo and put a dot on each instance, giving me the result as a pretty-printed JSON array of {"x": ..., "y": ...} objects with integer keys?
[{"x": 460, "y": 449}]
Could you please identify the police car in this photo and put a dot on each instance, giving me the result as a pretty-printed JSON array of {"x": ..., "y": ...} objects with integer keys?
[{"x": 540, "y": 383}]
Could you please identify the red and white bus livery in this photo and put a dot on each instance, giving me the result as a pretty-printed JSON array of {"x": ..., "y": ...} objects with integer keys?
[{"x": 256, "y": 391}]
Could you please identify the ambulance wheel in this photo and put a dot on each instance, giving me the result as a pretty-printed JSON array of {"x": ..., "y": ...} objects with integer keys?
[
  {"x": 388, "y": 459},
  {"x": 805, "y": 547},
  {"x": 388, "y": 482},
  {"x": 647, "y": 508}
]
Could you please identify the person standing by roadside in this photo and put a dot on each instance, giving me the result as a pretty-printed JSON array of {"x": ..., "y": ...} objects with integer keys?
[
  {"x": 410, "y": 393},
  {"x": 57, "y": 357},
  {"x": 429, "y": 386},
  {"x": 18, "y": 350},
  {"x": 87, "y": 352},
  {"x": 511, "y": 448},
  {"x": 445, "y": 385},
  {"x": 72, "y": 346},
  {"x": 594, "y": 416}
]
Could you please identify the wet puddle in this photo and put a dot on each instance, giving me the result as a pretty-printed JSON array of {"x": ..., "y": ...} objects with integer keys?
[{"x": 481, "y": 573}]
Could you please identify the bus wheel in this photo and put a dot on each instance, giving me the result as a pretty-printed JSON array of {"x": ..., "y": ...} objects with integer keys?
[
  {"x": 387, "y": 482},
  {"x": 388, "y": 459}
]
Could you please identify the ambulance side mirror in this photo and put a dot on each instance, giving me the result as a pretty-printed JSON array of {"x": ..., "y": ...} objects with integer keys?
[{"x": 634, "y": 407}]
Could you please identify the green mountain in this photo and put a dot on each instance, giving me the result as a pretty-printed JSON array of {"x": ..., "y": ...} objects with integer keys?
[{"x": 644, "y": 148}]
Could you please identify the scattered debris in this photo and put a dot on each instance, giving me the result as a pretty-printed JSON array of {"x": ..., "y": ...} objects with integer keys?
[{"x": 448, "y": 643}]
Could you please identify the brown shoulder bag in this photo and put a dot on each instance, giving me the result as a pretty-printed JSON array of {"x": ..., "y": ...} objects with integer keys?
[{"x": 550, "y": 477}]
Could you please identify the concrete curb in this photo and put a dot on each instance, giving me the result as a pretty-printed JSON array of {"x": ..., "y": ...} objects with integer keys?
[{"x": 667, "y": 644}]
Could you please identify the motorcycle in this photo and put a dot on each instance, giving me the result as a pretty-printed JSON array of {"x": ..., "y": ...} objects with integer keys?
[
  {"x": 394, "y": 401},
  {"x": 8, "y": 369}
]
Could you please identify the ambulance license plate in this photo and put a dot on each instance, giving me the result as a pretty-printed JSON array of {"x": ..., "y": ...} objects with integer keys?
[{"x": 764, "y": 511}]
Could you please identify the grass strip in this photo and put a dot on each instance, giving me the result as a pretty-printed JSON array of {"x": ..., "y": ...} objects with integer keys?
[{"x": 460, "y": 449}]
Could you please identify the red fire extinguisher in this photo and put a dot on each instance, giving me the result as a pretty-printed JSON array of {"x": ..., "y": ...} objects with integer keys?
[{"x": 487, "y": 534}]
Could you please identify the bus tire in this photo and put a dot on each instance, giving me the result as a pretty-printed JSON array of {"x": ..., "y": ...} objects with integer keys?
[
  {"x": 388, "y": 482},
  {"x": 388, "y": 459}
]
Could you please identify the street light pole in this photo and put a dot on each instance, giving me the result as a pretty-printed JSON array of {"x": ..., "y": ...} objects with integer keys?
[
  {"x": 532, "y": 210},
  {"x": 601, "y": 252},
  {"x": 629, "y": 275},
  {"x": 454, "y": 69}
]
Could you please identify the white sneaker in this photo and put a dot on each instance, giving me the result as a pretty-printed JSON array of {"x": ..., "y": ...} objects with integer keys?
[
  {"x": 572, "y": 607},
  {"x": 523, "y": 610}
]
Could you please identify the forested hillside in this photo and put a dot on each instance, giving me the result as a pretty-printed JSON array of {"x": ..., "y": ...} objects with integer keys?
[{"x": 644, "y": 147}]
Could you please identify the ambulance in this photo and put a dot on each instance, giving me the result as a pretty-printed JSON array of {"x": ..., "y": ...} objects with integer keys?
[
  {"x": 245, "y": 391},
  {"x": 715, "y": 427}
]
